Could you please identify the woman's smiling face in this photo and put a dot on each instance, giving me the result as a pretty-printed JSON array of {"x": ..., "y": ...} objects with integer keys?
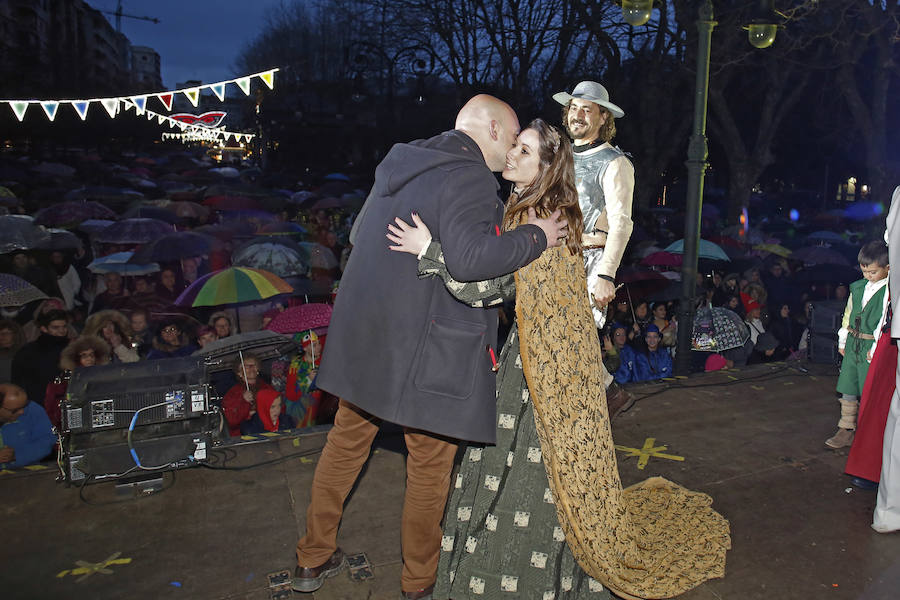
[{"x": 523, "y": 160}]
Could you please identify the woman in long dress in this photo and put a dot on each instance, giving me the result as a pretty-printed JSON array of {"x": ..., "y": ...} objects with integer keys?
[{"x": 542, "y": 514}]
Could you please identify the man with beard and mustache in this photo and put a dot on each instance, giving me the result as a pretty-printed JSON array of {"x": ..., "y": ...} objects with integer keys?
[{"x": 605, "y": 180}]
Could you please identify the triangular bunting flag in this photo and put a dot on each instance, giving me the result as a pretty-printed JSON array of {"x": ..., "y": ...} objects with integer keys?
[
  {"x": 219, "y": 90},
  {"x": 269, "y": 78},
  {"x": 193, "y": 94},
  {"x": 244, "y": 84},
  {"x": 183, "y": 126},
  {"x": 160, "y": 119},
  {"x": 127, "y": 105},
  {"x": 166, "y": 99},
  {"x": 150, "y": 115},
  {"x": 50, "y": 108},
  {"x": 140, "y": 102},
  {"x": 111, "y": 105},
  {"x": 229, "y": 136},
  {"x": 19, "y": 108},
  {"x": 81, "y": 107}
]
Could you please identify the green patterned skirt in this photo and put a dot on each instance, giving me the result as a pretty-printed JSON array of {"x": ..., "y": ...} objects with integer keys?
[{"x": 502, "y": 537}]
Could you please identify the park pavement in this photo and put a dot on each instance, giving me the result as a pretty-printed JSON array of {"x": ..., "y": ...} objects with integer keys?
[{"x": 751, "y": 438}]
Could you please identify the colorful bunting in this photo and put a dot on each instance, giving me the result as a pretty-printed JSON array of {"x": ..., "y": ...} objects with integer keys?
[
  {"x": 81, "y": 107},
  {"x": 50, "y": 108},
  {"x": 193, "y": 127},
  {"x": 166, "y": 99},
  {"x": 111, "y": 105},
  {"x": 140, "y": 102},
  {"x": 219, "y": 90},
  {"x": 268, "y": 78},
  {"x": 244, "y": 84},
  {"x": 19, "y": 107},
  {"x": 193, "y": 94}
]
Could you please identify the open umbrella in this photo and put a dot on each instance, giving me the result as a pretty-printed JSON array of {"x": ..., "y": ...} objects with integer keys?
[
  {"x": 134, "y": 231},
  {"x": 718, "y": 329},
  {"x": 819, "y": 255},
  {"x": 639, "y": 283},
  {"x": 706, "y": 250},
  {"x": 118, "y": 263},
  {"x": 282, "y": 228},
  {"x": 773, "y": 249},
  {"x": 663, "y": 259},
  {"x": 825, "y": 236},
  {"x": 143, "y": 211},
  {"x": 279, "y": 259},
  {"x": 232, "y": 203},
  {"x": 68, "y": 214},
  {"x": 189, "y": 210},
  {"x": 264, "y": 345},
  {"x": 234, "y": 285},
  {"x": 60, "y": 239},
  {"x": 15, "y": 291},
  {"x": 19, "y": 232},
  {"x": 94, "y": 226},
  {"x": 300, "y": 318},
  {"x": 173, "y": 247},
  {"x": 320, "y": 257}
]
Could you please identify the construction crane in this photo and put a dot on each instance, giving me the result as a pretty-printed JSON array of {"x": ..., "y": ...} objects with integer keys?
[{"x": 119, "y": 14}]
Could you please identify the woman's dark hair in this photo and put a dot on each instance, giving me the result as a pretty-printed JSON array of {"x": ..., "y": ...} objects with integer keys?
[{"x": 553, "y": 187}]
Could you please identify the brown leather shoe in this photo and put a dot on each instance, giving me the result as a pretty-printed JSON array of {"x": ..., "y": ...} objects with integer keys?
[
  {"x": 618, "y": 400},
  {"x": 309, "y": 579},
  {"x": 418, "y": 594}
]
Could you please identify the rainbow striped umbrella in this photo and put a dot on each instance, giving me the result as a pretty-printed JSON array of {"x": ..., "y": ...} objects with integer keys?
[{"x": 235, "y": 285}]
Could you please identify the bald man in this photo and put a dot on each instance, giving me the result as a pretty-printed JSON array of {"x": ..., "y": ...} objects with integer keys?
[{"x": 402, "y": 349}]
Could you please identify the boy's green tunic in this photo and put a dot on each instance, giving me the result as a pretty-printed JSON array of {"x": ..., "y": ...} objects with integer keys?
[{"x": 863, "y": 320}]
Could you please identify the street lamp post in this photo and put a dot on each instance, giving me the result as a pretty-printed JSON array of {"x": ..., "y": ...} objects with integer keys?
[
  {"x": 698, "y": 151},
  {"x": 761, "y": 34}
]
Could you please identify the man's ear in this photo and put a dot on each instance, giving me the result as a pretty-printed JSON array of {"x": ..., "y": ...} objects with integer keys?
[{"x": 495, "y": 130}]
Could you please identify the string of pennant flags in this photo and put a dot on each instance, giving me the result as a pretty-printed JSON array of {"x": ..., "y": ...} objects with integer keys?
[
  {"x": 112, "y": 105},
  {"x": 191, "y": 132}
]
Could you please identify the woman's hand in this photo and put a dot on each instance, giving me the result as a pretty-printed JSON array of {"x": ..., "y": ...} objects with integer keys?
[{"x": 412, "y": 239}]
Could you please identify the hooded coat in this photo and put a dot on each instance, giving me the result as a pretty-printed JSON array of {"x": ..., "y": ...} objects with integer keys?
[{"x": 402, "y": 348}]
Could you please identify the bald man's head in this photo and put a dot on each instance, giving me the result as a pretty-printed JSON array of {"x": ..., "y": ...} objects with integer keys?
[{"x": 493, "y": 124}]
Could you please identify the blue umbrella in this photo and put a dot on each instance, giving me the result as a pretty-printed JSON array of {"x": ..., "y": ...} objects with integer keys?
[
  {"x": 118, "y": 263},
  {"x": 706, "y": 250},
  {"x": 863, "y": 211}
]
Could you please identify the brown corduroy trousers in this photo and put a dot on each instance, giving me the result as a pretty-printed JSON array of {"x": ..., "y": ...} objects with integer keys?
[{"x": 428, "y": 468}]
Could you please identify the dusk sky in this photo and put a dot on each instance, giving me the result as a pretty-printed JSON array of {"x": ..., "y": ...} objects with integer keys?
[{"x": 195, "y": 39}]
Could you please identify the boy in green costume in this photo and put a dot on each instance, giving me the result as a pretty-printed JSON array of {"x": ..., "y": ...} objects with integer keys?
[{"x": 860, "y": 329}]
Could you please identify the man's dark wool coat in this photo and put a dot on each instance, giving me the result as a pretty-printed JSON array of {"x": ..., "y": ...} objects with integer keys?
[{"x": 402, "y": 348}]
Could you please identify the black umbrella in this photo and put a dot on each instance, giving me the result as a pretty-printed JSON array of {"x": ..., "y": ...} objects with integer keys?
[
  {"x": 262, "y": 344},
  {"x": 173, "y": 247}
]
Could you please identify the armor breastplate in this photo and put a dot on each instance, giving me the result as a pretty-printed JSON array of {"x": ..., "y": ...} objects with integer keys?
[{"x": 589, "y": 170}]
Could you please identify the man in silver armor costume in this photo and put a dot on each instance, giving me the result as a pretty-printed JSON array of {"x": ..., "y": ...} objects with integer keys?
[{"x": 605, "y": 180}]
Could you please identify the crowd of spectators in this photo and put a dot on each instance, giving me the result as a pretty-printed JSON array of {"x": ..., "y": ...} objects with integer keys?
[{"x": 93, "y": 319}]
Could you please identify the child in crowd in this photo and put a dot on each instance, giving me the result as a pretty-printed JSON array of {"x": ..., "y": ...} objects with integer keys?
[
  {"x": 268, "y": 415},
  {"x": 860, "y": 329}
]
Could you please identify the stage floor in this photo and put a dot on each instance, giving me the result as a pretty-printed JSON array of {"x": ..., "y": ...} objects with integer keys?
[{"x": 753, "y": 439}]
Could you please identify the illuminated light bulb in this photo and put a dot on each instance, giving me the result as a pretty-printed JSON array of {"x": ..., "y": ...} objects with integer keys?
[
  {"x": 762, "y": 35},
  {"x": 637, "y": 12}
]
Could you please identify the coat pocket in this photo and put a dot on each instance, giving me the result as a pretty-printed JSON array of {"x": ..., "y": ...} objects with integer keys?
[{"x": 449, "y": 357}]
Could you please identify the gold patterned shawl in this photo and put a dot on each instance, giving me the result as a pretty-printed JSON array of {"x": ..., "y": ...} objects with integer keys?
[{"x": 654, "y": 539}]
